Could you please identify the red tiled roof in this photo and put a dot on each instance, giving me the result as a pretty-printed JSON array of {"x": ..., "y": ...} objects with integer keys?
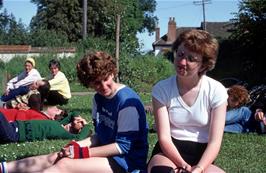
[
  {"x": 14, "y": 48},
  {"x": 29, "y": 49}
]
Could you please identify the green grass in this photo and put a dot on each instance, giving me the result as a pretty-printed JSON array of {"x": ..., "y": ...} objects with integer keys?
[{"x": 242, "y": 153}]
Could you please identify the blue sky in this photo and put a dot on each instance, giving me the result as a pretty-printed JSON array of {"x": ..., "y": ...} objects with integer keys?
[{"x": 184, "y": 11}]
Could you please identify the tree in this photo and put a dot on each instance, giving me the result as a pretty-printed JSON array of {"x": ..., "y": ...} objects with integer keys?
[
  {"x": 65, "y": 16},
  {"x": 250, "y": 23},
  {"x": 11, "y": 31},
  {"x": 61, "y": 16}
]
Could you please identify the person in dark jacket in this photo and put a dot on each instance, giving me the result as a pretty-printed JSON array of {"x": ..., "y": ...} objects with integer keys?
[
  {"x": 71, "y": 127},
  {"x": 259, "y": 109}
]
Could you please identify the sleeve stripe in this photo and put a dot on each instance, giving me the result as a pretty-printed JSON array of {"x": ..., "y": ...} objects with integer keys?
[{"x": 119, "y": 149}]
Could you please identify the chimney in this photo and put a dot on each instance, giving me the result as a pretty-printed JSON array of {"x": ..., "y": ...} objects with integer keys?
[
  {"x": 157, "y": 33},
  {"x": 171, "y": 35}
]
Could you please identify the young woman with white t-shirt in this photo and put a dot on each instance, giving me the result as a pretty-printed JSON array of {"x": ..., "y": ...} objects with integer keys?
[{"x": 189, "y": 109}]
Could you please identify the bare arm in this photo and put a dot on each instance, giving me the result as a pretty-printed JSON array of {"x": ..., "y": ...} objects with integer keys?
[
  {"x": 32, "y": 76},
  {"x": 99, "y": 151},
  {"x": 216, "y": 132},
  {"x": 94, "y": 149},
  {"x": 104, "y": 151}
]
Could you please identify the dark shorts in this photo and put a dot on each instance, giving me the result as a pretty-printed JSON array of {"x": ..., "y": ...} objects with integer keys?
[
  {"x": 55, "y": 98},
  {"x": 115, "y": 166},
  {"x": 191, "y": 152}
]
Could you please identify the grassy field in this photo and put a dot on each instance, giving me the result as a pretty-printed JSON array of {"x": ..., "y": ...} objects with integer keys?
[{"x": 242, "y": 153}]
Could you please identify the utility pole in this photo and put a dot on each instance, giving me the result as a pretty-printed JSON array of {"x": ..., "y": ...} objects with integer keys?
[
  {"x": 84, "y": 19},
  {"x": 117, "y": 35},
  {"x": 202, "y": 3}
]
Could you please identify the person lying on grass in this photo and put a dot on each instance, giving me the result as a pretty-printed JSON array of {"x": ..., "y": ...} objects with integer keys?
[
  {"x": 48, "y": 113},
  {"x": 71, "y": 127},
  {"x": 238, "y": 115}
]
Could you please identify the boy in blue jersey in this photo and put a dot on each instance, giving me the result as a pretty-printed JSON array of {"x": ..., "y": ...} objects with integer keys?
[{"x": 119, "y": 144}]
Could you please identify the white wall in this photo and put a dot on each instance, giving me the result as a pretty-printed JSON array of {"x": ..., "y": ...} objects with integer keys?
[{"x": 5, "y": 57}]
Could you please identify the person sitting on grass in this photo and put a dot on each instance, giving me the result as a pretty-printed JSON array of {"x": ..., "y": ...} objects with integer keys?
[
  {"x": 238, "y": 115},
  {"x": 259, "y": 109},
  {"x": 33, "y": 99},
  {"x": 59, "y": 93},
  {"x": 25, "y": 78},
  {"x": 71, "y": 127},
  {"x": 189, "y": 109},
  {"x": 119, "y": 144}
]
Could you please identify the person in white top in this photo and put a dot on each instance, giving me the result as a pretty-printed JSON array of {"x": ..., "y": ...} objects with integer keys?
[
  {"x": 189, "y": 109},
  {"x": 25, "y": 78}
]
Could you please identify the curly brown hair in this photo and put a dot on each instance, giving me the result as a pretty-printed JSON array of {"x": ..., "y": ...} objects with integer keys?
[
  {"x": 239, "y": 94},
  {"x": 201, "y": 42},
  {"x": 95, "y": 67}
]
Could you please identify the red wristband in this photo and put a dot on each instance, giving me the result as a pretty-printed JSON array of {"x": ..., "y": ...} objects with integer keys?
[
  {"x": 85, "y": 152},
  {"x": 77, "y": 152}
]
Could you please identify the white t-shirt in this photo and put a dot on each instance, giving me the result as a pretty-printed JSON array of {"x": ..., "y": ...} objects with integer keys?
[
  {"x": 190, "y": 123},
  {"x": 24, "y": 79}
]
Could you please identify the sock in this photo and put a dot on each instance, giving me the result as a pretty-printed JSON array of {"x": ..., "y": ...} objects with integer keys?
[{"x": 3, "y": 167}]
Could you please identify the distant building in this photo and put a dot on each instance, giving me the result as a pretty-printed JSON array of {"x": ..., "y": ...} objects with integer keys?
[
  {"x": 7, "y": 52},
  {"x": 220, "y": 30}
]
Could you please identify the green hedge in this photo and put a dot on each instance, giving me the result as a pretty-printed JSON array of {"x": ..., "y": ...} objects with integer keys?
[{"x": 143, "y": 71}]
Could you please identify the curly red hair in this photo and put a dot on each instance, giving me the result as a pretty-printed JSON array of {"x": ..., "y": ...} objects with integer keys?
[
  {"x": 95, "y": 66},
  {"x": 239, "y": 94}
]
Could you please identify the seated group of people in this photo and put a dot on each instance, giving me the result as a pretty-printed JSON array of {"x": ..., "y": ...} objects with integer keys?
[
  {"x": 29, "y": 90},
  {"x": 119, "y": 143},
  {"x": 189, "y": 109},
  {"x": 30, "y": 109}
]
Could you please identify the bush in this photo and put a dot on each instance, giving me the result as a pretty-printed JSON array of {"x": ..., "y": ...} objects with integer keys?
[
  {"x": 48, "y": 38},
  {"x": 143, "y": 71},
  {"x": 96, "y": 43}
]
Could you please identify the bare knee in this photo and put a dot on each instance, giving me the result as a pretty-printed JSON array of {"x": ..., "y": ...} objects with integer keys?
[
  {"x": 214, "y": 169},
  {"x": 62, "y": 165}
]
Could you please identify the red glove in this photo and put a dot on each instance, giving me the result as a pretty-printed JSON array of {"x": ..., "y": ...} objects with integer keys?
[{"x": 77, "y": 152}]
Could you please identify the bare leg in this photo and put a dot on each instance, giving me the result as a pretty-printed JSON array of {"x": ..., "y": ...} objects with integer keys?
[
  {"x": 32, "y": 164},
  {"x": 214, "y": 169},
  {"x": 89, "y": 165},
  {"x": 160, "y": 163}
]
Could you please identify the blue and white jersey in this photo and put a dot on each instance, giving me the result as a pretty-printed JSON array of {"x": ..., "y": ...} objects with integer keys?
[{"x": 121, "y": 119}]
